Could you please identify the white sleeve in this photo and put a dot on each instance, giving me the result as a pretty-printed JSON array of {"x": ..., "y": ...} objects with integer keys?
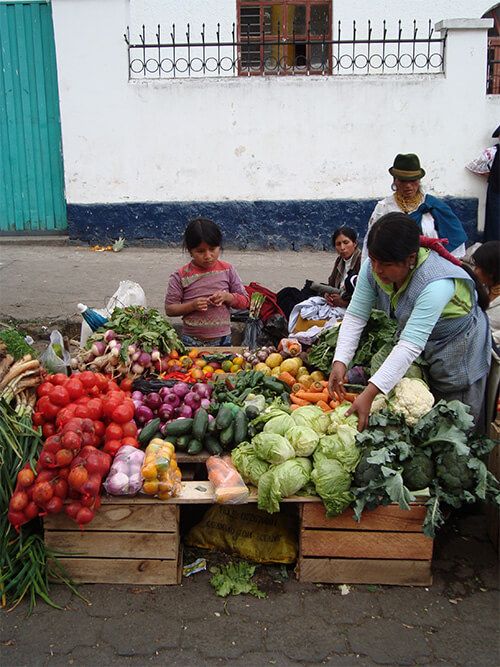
[
  {"x": 349, "y": 335},
  {"x": 395, "y": 366}
]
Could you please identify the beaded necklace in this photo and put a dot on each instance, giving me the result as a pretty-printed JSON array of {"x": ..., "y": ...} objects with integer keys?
[{"x": 408, "y": 204}]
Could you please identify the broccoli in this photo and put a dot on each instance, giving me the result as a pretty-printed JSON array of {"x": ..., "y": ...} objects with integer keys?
[
  {"x": 418, "y": 472},
  {"x": 365, "y": 472},
  {"x": 454, "y": 473}
]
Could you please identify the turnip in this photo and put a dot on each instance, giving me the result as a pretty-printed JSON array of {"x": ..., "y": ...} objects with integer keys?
[{"x": 98, "y": 348}]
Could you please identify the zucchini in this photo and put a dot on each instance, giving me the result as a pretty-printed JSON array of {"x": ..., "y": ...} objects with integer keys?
[
  {"x": 240, "y": 427},
  {"x": 169, "y": 438},
  {"x": 252, "y": 411},
  {"x": 274, "y": 384},
  {"x": 212, "y": 445},
  {"x": 195, "y": 446},
  {"x": 212, "y": 427},
  {"x": 149, "y": 431},
  {"x": 224, "y": 417},
  {"x": 182, "y": 442},
  {"x": 200, "y": 424},
  {"x": 226, "y": 436},
  {"x": 179, "y": 427}
]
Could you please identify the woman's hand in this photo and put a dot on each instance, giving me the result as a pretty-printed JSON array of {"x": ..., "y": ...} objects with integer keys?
[
  {"x": 220, "y": 297},
  {"x": 336, "y": 379},
  {"x": 362, "y": 405}
]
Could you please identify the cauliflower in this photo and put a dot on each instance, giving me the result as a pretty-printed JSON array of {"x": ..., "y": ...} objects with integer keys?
[{"x": 410, "y": 397}]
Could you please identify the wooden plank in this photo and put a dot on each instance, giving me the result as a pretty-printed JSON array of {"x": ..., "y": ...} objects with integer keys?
[
  {"x": 114, "y": 545},
  {"x": 122, "y": 571},
  {"x": 234, "y": 349},
  {"x": 389, "y": 518},
  {"x": 364, "y": 544},
  {"x": 150, "y": 517},
  {"x": 364, "y": 571}
]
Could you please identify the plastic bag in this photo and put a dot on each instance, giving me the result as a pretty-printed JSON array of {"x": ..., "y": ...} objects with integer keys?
[
  {"x": 229, "y": 487},
  {"x": 253, "y": 329},
  {"x": 56, "y": 358},
  {"x": 124, "y": 478},
  {"x": 128, "y": 293},
  {"x": 160, "y": 472}
]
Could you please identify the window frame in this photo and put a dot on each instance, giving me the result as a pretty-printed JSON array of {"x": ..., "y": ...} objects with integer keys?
[{"x": 285, "y": 39}]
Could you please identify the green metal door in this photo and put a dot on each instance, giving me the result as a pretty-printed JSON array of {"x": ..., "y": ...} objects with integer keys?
[{"x": 31, "y": 164}]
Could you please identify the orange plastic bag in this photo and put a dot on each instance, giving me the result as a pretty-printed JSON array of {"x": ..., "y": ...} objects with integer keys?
[{"x": 229, "y": 487}]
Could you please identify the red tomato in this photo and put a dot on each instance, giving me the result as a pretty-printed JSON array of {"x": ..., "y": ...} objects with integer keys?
[
  {"x": 88, "y": 379},
  {"x": 112, "y": 446},
  {"x": 77, "y": 478},
  {"x": 109, "y": 405},
  {"x": 123, "y": 413},
  {"x": 54, "y": 505},
  {"x": 60, "y": 395},
  {"x": 71, "y": 440},
  {"x": 44, "y": 389},
  {"x": 75, "y": 388},
  {"x": 82, "y": 400},
  {"x": 113, "y": 432},
  {"x": 59, "y": 378},
  {"x": 94, "y": 406},
  {"x": 73, "y": 424},
  {"x": 47, "y": 408},
  {"x": 47, "y": 459},
  {"x": 38, "y": 419},
  {"x": 60, "y": 488},
  {"x": 48, "y": 429},
  {"x": 65, "y": 414},
  {"x": 26, "y": 476},
  {"x": 63, "y": 473},
  {"x": 112, "y": 386},
  {"x": 42, "y": 492},
  {"x": 90, "y": 439},
  {"x": 131, "y": 442},
  {"x": 129, "y": 429},
  {"x": 31, "y": 510},
  {"x": 52, "y": 444},
  {"x": 101, "y": 381},
  {"x": 72, "y": 509},
  {"x": 46, "y": 475},
  {"x": 85, "y": 515},
  {"x": 82, "y": 411},
  {"x": 126, "y": 384},
  {"x": 99, "y": 428},
  {"x": 64, "y": 457},
  {"x": 18, "y": 501}
]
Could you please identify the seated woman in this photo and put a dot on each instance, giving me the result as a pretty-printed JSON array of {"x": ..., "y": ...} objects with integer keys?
[
  {"x": 435, "y": 219},
  {"x": 345, "y": 242}
]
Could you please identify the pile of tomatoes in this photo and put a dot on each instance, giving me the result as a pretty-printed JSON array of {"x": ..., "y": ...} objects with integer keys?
[{"x": 77, "y": 415}]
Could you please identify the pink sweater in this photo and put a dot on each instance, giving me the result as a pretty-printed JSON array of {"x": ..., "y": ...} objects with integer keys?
[{"x": 190, "y": 282}]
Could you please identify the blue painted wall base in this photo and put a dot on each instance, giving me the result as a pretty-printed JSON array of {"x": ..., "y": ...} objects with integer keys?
[{"x": 246, "y": 225}]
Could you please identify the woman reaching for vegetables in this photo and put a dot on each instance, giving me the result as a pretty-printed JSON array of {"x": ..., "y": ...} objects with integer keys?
[
  {"x": 202, "y": 291},
  {"x": 439, "y": 306}
]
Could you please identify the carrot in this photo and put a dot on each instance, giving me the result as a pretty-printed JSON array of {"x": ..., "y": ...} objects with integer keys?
[
  {"x": 316, "y": 386},
  {"x": 324, "y": 406},
  {"x": 313, "y": 397},
  {"x": 294, "y": 406},
  {"x": 288, "y": 378},
  {"x": 297, "y": 387},
  {"x": 350, "y": 397},
  {"x": 298, "y": 401},
  {"x": 334, "y": 404}
]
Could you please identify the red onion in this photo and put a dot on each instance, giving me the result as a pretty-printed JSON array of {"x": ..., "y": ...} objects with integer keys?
[
  {"x": 172, "y": 399},
  {"x": 137, "y": 396},
  {"x": 192, "y": 400},
  {"x": 200, "y": 389},
  {"x": 205, "y": 403},
  {"x": 143, "y": 414},
  {"x": 164, "y": 392},
  {"x": 166, "y": 411},
  {"x": 153, "y": 400},
  {"x": 180, "y": 389},
  {"x": 184, "y": 411}
]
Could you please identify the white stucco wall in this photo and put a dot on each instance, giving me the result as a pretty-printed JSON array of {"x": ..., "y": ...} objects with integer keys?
[{"x": 261, "y": 137}]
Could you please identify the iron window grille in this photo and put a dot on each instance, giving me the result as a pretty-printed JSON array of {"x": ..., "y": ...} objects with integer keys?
[{"x": 252, "y": 51}]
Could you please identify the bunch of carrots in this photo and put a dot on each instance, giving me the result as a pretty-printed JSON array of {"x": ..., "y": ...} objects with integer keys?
[{"x": 317, "y": 394}]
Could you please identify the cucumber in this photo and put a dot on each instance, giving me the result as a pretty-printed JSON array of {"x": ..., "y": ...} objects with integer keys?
[
  {"x": 274, "y": 384},
  {"x": 252, "y": 411},
  {"x": 169, "y": 438},
  {"x": 149, "y": 431},
  {"x": 195, "y": 446},
  {"x": 240, "y": 427},
  {"x": 179, "y": 427},
  {"x": 212, "y": 427},
  {"x": 224, "y": 417},
  {"x": 182, "y": 442},
  {"x": 226, "y": 436},
  {"x": 200, "y": 424},
  {"x": 212, "y": 445}
]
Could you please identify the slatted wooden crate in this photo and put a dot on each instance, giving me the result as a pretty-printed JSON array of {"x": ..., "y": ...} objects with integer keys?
[
  {"x": 132, "y": 540},
  {"x": 386, "y": 547}
]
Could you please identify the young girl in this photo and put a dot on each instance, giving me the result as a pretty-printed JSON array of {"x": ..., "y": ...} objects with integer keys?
[
  {"x": 345, "y": 242},
  {"x": 487, "y": 267},
  {"x": 202, "y": 291}
]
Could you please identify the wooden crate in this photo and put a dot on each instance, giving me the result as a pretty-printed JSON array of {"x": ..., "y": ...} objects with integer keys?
[
  {"x": 492, "y": 512},
  {"x": 386, "y": 547},
  {"x": 129, "y": 541}
]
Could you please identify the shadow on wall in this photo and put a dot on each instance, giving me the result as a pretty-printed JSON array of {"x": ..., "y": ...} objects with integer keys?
[{"x": 250, "y": 225}]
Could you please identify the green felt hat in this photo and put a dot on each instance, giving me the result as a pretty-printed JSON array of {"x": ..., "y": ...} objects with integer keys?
[{"x": 407, "y": 167}]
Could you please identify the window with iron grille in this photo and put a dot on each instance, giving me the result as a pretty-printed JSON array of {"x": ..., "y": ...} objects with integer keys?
[
  {"x": 493, "y": 85},
  {"x": 284, "y": 37}
]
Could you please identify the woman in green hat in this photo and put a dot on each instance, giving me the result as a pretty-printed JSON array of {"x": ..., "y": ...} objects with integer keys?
[{"x": 434, "y": 218}]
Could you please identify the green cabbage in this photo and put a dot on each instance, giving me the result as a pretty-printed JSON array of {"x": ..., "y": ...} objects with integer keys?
[
  {"x": 332, "y": 482},
  {"x": 303, "y": 439},
  {"x": 340, "y": 446},
  {"x": 337, "y": 417},
  {"x": 273, "y": 448},
  {"x": 248, "y": 464},
  {"x": 312, "y": 416},
  {"x": 279, "y": 425},
  {"x": 282, "y": 481}
]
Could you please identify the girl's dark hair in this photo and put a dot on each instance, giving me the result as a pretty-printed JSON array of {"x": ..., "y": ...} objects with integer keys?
[
  {"x": 487, "y": 258},
  {"x": 393, "y": 238},
  {"x": 202, "y": 230},
  {"x": 346, "y": 231}
]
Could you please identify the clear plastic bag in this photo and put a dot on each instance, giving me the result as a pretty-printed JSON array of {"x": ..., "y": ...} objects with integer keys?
[
  {"x": 128, "y": 293},
  {"x": 124, "y": 478},
  {"x": 56, "y": 358},
  {"x": 229, "y": 487}
]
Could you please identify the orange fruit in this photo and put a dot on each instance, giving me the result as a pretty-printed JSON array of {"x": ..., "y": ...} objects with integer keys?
[
  {"x": 149, "y": 471},
  {"x": 207, "y": 370},
  {"x": 218, "y": 370},
  {"x": 193, "y": 353},
  {"x": 196, "y": 373},
  {"x": 150, "y": 486},
  {"x": 200, "y": 362},
  {"x": 238, "y": 361},
  {"x": 174, "y": 354}
]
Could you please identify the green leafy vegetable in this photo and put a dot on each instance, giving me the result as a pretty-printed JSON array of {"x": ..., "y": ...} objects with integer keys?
[
  {"x": 248, "y": 464},
  {"x": 332, "y": 482},
  {"x": 234, "y": 579},
  {"x": 272, "y": 447},
  {"x": 15, "y": 343},
  {"x": 282, "y": 481}
]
